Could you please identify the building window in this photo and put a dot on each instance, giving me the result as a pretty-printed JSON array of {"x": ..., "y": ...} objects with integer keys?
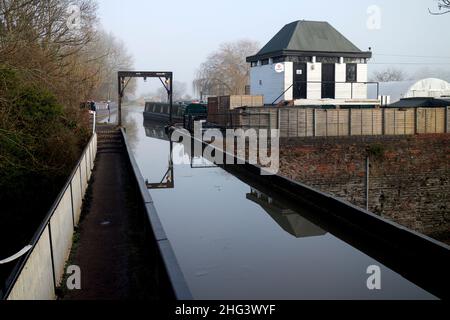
[
  {"x": 264, "y": 62},
  {"x": 351, "y": 72},
  {"x": 254, "y": 64}
]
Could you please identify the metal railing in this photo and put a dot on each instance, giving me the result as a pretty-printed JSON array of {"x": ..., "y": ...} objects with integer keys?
[{"x": 352, "y": 84}]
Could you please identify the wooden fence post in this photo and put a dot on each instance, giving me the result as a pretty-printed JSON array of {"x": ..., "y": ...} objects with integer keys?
[
  {"x": 416, "y": 121},
  {"x": 314, "y": 122},
  {"x": 446, "y": 120},
  {"x": 350, "y": 121}
]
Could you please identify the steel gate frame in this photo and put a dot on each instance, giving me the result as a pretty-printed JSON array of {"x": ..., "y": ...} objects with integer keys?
[{"x": 168, "y": 85}]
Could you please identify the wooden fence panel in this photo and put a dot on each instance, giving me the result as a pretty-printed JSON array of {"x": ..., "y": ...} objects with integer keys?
[
  {"x": 431, "y": 120},
  {"x": 308, "y": 122},
  {"x": 321, "y": 123},
  {"x": 284, "y": 130},
  {"x": 356, "y": 122},
  {"x": 440, "y": 120}
]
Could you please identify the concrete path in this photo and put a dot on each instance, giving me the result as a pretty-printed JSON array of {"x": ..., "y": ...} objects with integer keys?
[{"x": 112, "y": 251}]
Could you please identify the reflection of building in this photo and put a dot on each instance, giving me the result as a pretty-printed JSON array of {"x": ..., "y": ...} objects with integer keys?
[{"x": 287, "y": 219}]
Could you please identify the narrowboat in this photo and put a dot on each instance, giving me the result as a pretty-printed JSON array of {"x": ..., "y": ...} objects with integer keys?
[{"x": 157, "y": 111}]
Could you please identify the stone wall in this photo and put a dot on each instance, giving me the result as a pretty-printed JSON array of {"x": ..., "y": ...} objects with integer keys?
[{"x": 409, "y": 179}]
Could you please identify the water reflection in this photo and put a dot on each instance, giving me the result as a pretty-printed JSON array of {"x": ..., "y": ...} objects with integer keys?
[
  {"x": 224, "y": 237},
  {"x": 289, "y": 220},
  {"x": 156, "y": 130}
]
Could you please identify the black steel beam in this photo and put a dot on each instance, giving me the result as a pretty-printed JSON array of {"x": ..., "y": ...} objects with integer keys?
[{"x": 148, "y": 74}]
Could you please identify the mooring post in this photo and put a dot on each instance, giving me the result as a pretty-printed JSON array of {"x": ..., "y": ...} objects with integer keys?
[{"x": 94, "y": 122}]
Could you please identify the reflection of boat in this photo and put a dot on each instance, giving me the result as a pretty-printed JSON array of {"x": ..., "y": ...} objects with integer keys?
[
  {"x": 161, "y": 111},
  {"x": 287, "y": 219},
  {"x": 154, "y": 129}
]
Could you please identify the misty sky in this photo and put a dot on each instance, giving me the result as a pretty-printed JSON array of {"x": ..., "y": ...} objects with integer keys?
[{"x": 176, "y": 35}]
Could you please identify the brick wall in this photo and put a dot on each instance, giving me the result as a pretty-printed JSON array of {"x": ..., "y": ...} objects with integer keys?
[{"x": 409, "y": 176}]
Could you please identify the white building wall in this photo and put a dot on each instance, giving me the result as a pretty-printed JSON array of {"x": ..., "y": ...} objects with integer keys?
[
  {"x": 314, "y": 73},
  {"x": 264, "y": 80},
  {"x": 288, "y": 80},
  {"x": 359, "y": 89},
  {"x": 343, "y": 90}
]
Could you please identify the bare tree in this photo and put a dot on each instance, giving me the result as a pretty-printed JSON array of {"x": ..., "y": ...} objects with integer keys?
[
  {"x": 113, "y": 57},
  {"x": 443, "y": 7},
  {"x": 388, "y": 75},
  {"x": 66, "y": 64},
  {"x": 74, "y": 63},
  {"x": 226, "y": 71},
  {"x": 35, "y": 38}
]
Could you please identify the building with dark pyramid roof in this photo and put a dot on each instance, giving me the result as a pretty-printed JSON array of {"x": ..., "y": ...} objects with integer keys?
[{"x": 310, "y": 62}]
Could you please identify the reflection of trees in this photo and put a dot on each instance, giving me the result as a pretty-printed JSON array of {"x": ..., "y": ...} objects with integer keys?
[{"x": 131, "y": 126}]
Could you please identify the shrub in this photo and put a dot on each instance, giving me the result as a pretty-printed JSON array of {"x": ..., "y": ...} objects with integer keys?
[
  {"x": 40, "y": 140},
  {"x": 376, "y": 151}
]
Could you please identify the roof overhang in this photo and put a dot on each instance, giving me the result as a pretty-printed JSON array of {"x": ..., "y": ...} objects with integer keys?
[{"x": 285, "y": 53}]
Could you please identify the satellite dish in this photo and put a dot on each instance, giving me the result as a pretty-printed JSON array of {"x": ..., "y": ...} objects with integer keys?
[{"x": 429, "y": 88}]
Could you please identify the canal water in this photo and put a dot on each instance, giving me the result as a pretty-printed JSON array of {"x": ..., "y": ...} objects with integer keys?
[{"x": 235, "y": 242}]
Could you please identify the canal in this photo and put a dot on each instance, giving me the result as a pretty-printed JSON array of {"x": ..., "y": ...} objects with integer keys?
[{"x": 233, "y": 241}]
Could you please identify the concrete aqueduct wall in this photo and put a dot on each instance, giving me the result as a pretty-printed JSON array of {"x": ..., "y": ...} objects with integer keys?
[{"x": 42, "y": 269}]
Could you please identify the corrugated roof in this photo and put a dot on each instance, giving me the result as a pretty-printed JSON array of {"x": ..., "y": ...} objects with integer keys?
[{"x": 309, "y": 36}]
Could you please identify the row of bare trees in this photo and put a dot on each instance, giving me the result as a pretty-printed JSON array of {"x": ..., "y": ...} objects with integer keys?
[
  {"x": 53, "y": 56},
  {"x": 388, "y": 75},
  {"x": 59, "y": 43}
]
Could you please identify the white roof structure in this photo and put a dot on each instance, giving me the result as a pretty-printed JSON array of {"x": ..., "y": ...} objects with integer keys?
[
  {"x": 429, "y": 88},
  {"x": 425, "y": 88}
]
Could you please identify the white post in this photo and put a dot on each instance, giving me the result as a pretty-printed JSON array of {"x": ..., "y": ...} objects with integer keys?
[{"x": 94, "y": 121}]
